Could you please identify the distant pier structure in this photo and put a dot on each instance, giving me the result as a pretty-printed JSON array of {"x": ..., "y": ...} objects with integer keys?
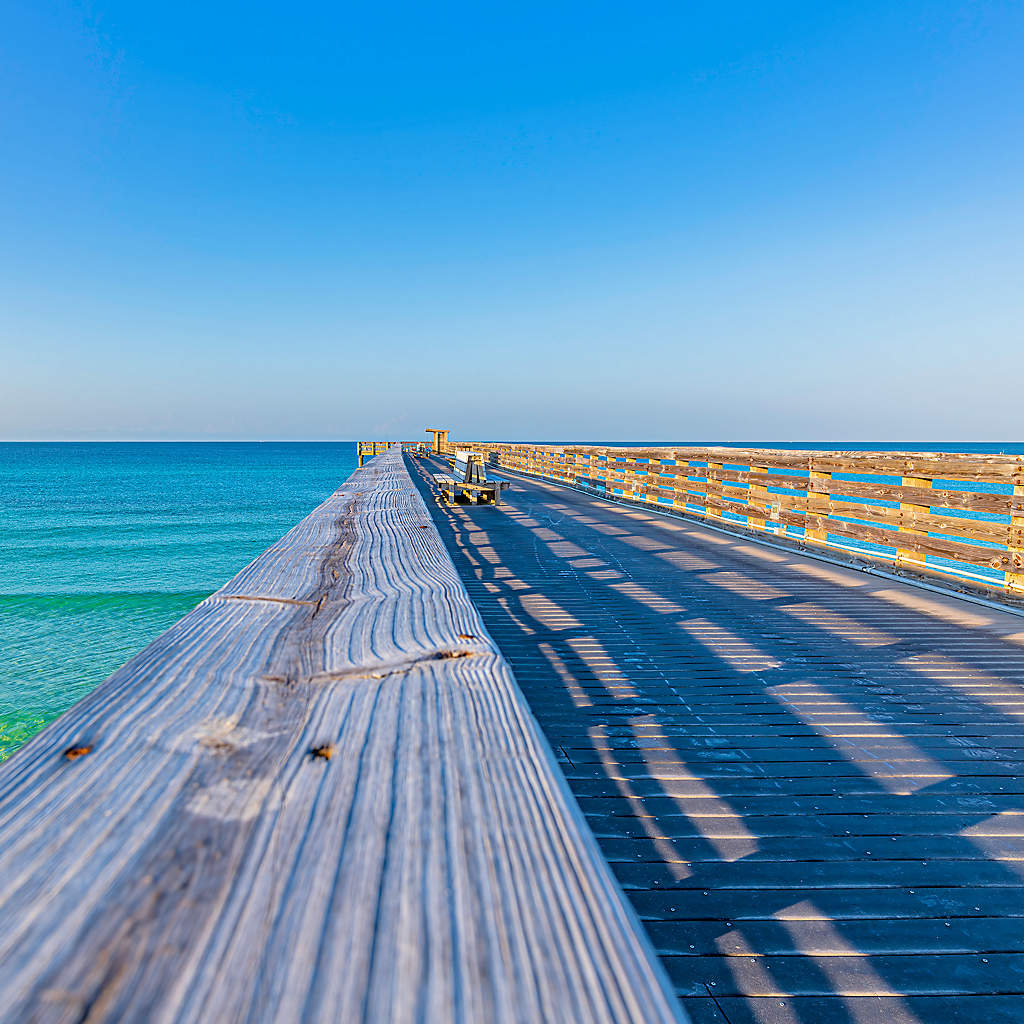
[{"x": 707, "y": 734}]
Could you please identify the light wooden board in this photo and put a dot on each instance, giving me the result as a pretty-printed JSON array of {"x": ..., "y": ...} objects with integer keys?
[
  {"x": 931, "y": 486},
  {"x": 200, "y": 863}
]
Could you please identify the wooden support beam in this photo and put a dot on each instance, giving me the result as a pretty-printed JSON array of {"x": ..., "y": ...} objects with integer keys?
[
  {"x": 440, "y": 439},
  {"x": 819, "y": 501},
  {"x": 713, "y": 506},
  {"x": 320, "y": 796}
]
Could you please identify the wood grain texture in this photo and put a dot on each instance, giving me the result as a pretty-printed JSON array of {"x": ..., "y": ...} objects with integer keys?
[{"x": 319, "y": 797}]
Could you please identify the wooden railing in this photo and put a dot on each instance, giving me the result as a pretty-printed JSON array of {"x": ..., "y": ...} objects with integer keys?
[
  {"x": 321, "y": 796},
  {"x": 369, "y": 449},
  {"x": 949, "y": 515}
]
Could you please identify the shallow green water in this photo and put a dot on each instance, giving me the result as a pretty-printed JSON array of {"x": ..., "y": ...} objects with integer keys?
[{"x": 104, "y": 546}]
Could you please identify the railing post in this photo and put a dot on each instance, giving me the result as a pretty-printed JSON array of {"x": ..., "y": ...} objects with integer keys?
[
  {"x": 1015, "y": 573},
  {"x": 680, "y": 494},
  {"x": 908, "y": 510},
  {"x": 819, "y": 501},
  {"x": 713, "y": 484},
  {"x": 629, "y": 483}
]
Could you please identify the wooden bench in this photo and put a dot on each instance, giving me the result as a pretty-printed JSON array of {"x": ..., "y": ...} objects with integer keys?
[{"x": 468, "y": 481}]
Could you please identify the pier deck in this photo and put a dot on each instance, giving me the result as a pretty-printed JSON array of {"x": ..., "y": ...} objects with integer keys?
[{"x": 809, "y": 780}]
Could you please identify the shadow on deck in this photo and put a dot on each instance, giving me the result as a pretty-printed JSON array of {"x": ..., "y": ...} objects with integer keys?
[{"x": 810, "y": 782}]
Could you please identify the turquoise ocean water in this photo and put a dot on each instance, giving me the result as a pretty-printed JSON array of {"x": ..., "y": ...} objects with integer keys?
[{"x": 104, "y": 546}]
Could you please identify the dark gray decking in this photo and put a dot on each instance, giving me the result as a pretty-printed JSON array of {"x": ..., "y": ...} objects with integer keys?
[{"x": 807, "y": 779}]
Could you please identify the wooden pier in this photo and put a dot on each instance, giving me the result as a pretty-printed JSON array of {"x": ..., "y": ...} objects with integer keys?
[
  {"x": 630, "y": 746},
  {"x": 808, "y": 778}
]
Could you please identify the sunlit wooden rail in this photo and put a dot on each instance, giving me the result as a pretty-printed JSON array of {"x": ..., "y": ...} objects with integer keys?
[
  {"x": 808, "y": 779},
  {"x": 319, "y": 797},
  {"x": 959, "y": 517}
]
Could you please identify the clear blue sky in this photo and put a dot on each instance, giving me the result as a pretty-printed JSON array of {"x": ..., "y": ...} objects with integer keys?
[{"x": 784, "y": 220}]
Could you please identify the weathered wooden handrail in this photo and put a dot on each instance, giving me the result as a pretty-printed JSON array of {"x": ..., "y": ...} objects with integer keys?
[
  {"x": 950, "y": 515},
  {"x": 370, "y": 449},
  {"x": 319, "y": 796}
]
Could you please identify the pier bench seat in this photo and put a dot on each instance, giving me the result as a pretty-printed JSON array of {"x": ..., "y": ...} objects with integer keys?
[{"x": 468, "y": 481}]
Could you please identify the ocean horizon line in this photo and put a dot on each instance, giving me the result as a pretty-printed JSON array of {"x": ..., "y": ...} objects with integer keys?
[{"x": 910, "y": 445}]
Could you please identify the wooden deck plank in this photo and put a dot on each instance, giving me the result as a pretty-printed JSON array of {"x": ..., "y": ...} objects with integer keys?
[
  {"x": 320, "y": 796},
  {"x": 809, "y": 776},
  {"x": 872, "y": 1009}
]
